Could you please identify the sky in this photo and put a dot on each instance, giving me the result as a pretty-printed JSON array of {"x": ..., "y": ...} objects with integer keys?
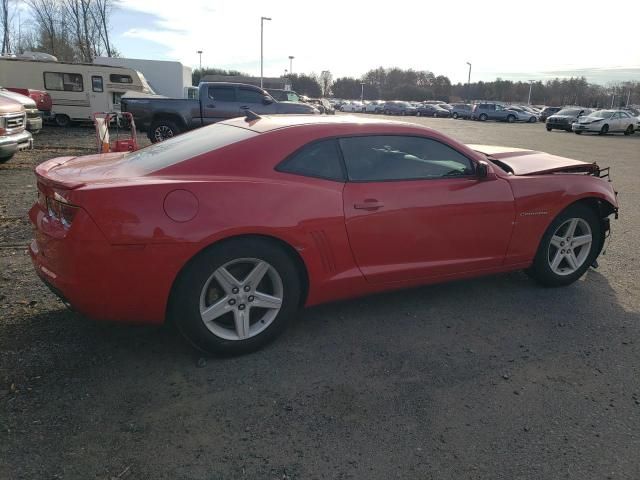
[{"x": 512, "y": 39}]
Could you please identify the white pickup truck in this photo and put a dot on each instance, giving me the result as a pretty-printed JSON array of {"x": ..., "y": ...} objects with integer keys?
[{"x": 13, "y": 136}]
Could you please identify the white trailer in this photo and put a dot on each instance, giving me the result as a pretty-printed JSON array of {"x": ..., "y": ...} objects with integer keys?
[
  {"x": 77, "y": 90},
  {"x": 171, "y": 79}
]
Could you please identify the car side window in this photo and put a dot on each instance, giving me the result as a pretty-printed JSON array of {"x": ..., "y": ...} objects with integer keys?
[
  {"x": 317, "y": 159},
  {"x": 378, "y": 158},
  {"x": 248, "y": 95},
  {"x": 222, "y": 94}
]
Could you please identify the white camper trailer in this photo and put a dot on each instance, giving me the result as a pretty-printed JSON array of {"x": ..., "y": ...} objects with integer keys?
[
  {"x": 171, "y": 79},
  {"x": 77, "y": 89}
]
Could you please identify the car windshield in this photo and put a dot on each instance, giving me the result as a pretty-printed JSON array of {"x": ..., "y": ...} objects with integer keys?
[
  {"x": 570, "y": 111},
  {"x": 602, "y": 114}
]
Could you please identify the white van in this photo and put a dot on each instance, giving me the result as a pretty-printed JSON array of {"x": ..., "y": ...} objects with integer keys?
[{"x": 77, "y": 89}]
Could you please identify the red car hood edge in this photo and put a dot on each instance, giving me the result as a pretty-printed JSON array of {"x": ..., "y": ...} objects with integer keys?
[{"x": 531, "y": 162}]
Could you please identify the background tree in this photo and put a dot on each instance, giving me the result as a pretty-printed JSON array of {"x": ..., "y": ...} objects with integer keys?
[
  {"x": 326, "y": 79},
  {"x": 306, "y": 84},
  {"x": 197, "y": 74}
]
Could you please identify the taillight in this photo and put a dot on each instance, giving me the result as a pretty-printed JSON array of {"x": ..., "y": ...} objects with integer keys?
[{"x": 61, "y": 211}]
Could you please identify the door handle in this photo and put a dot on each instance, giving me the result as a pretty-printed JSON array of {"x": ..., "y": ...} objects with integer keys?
[{"x": 369, "y": 204}]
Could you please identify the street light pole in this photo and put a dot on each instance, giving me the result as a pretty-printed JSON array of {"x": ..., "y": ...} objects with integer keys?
[
  {"x": 262, "y": 19},
  {"x": 530, "y": 85},
  {"x": 199, "y": 52},
  {"x": 361, "y": 92},
  {"x": 469, "y": 83},
  {"x": 291, "y": 57}
]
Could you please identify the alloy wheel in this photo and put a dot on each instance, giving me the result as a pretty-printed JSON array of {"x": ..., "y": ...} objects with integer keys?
[
  {"x": 241, "y": 299},
  {"x": 569, "y": 246},
  {"x": 162, "y": 132}
]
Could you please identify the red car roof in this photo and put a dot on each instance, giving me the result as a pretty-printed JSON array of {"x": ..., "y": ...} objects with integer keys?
[{"x": 267, "y": 122}]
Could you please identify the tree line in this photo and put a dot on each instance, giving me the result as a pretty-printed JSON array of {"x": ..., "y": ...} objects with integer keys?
[
  {"x": 419, "y": 85},
  {"x": 71, "y": 30}
]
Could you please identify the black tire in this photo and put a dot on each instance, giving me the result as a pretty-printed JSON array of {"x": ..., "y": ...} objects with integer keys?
[
  {"x": 161, "y": 130},
  {"x": 6, "y": 159},
  {"x": 578, "y": 132},
  {"x": 549, "y": 128},
  {"x": 629, "y": 130},
  {"x": 511, "y": 118},
  {"x": 455, "y": 115},
  {"x": 533, "y": 120},
  {"x": 483, "y": 117},
  {"x": 62, "y": 120},
  {"x": 541, "y": 270},
  {"x": 184, "y": 307},
  {"x": 604, "y": 130}
]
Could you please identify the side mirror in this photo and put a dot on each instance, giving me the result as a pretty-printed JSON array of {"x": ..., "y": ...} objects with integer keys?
[
  {"x": 482, "y": 170},
  {"x": 267, "y": 100}
]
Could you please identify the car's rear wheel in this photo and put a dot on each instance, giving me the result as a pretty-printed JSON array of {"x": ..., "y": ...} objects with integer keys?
[
  {"x": 511, "y": 118},
  {"x": 604, "y": 130},
  {"x": 162, "y": 130},
  {"x": 629, "y": 130},
  {"x": 62, "y": 120},
  {"x": 533, "y": 120},
  {"x": 568, "y": 248},
  {"x": 483, "y": 117},
  {"x": 237, "y": 296}
]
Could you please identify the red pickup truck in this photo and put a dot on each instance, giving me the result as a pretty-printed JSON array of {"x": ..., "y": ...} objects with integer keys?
[{"x": 42, "y": 98}]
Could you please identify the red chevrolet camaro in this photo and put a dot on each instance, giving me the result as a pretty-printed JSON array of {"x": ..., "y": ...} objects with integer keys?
[{"x": 229, "y": 229}]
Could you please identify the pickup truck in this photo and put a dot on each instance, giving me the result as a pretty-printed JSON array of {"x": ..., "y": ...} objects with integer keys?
[{"x": 163, "y": 118}]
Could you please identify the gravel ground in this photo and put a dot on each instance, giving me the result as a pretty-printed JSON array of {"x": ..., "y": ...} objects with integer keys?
[{"x": 483, "y": 379}]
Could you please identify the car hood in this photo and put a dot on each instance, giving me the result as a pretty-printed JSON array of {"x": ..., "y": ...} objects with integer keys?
[
  {"x": 295, "y": 107},
  {"x": 18, "y": 97},
  {"x": 530, "y": 162}
]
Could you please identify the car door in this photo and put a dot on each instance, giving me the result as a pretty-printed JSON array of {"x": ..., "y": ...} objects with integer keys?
[
  {"x": 415, "y": 209},
  {"x": 251, "y": 98},
  {"x": 500, "y": 112},
  {"x": 616, "y": 122},
  {"x": 219, "y": 104}
]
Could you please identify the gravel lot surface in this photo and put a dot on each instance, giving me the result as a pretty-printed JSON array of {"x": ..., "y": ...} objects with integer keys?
[{"x": 494, "y": 378}]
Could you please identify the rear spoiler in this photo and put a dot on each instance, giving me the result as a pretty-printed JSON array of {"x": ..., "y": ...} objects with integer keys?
[{"x": 43, "y": 175}]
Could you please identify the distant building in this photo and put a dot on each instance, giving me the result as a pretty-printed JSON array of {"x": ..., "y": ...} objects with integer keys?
[{"x": 267, "y": 82}]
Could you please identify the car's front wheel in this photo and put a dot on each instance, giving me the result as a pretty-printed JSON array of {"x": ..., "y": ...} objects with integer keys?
[
  {"x": 236, "y": 296},
  {"x": 629, "y": 130},
  {"x": 483, "y": 117},
  {"x": 568, "y": 248},
  {"x": 455, "y": 115}
]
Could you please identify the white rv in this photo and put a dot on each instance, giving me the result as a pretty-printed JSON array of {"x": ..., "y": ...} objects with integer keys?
[
  {"x": 171, "y": 79},
  {"x": 77, "y": 90}
]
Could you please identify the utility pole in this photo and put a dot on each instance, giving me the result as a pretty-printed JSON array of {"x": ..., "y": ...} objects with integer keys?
[
  {"x": 291, "y": 57},
  {"x": 469, "y": 84},
  {"x": 262, "y": 19},
  {"x": 361, "y": 92},
  {"x": 199, "y": 52},
  {"x": 530, "y": 85}
]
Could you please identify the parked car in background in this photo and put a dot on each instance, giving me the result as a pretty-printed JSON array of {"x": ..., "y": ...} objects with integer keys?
[
  {"x": 198, "y": 242},
  {"x": 429, "y": 110},
  {"x": 461, "y": 110},
  {"x": 164, "y": 118},
  {"x": 606, "y": 121},
  {"x": 42, "y": 99},
  {"x": 34, "y": 120},
  {"x": 492, "y": 111},
  {"x": 398, "y": 108},
  {"x": 523, "y": 115},
  {"x": 354, "y": 106},
  {"x": 546, "y": 112},
  {"x": 323, "y": 105},
  {"x": 13, "y": 133},
  {"x": 565, "y": 118},
  {"x": 375, "y": 106},
  {"x": 446, "y": 106}
]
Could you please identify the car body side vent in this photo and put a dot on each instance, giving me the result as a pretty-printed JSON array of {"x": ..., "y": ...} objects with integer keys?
[{"x": 324, "y": 248}]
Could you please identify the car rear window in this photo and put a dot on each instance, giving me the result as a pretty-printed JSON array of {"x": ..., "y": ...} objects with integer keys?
[{"x": 186, "y": 146}]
